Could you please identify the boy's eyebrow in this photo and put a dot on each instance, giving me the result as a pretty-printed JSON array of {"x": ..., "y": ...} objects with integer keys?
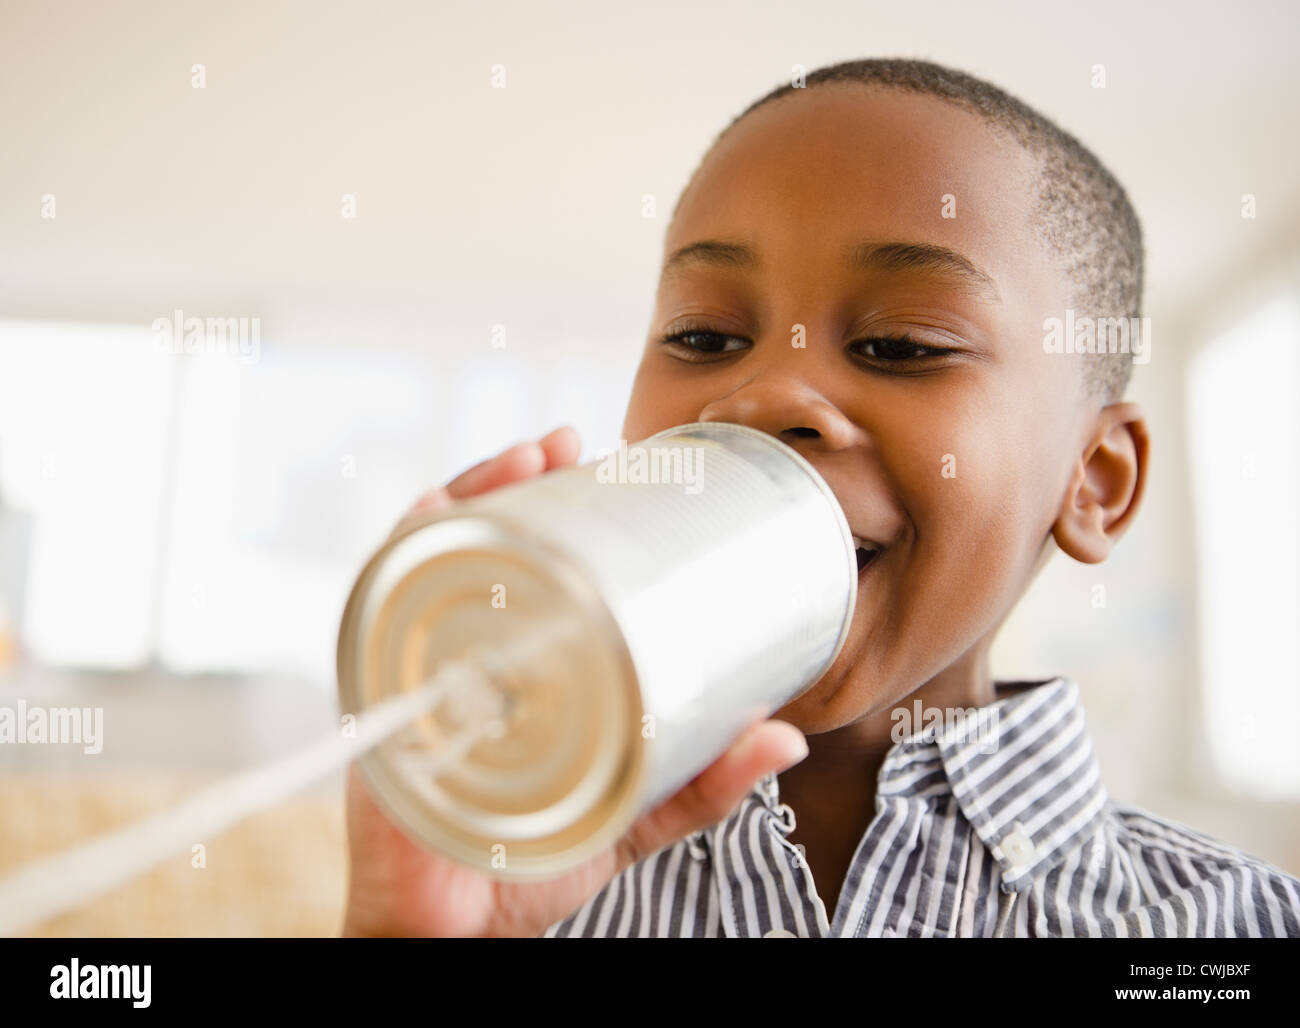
[
  {"x": 867, "y": 256},
  {"x": 712, "y": 253},
  {"x": 924, "y": 257}
]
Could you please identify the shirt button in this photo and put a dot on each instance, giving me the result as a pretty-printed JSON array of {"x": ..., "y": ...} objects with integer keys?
[
  {"x": 1017, "y": 846},
  {"x": 779, "y": 933}
]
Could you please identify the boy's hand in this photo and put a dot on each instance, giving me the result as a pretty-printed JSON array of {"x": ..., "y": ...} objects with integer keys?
[{"x": 397, "y": 887}]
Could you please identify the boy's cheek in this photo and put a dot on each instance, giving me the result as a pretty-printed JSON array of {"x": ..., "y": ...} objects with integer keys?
[{"x": 965, "y": 560}]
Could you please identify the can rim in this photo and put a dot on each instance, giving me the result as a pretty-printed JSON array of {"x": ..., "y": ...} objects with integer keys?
[
  {"x": 706, "y": 428},
  {"x": 385, "y": 780}
]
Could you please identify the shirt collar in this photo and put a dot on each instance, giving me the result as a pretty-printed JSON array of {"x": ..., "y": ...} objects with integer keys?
[{"x": 1022, "y": 770}]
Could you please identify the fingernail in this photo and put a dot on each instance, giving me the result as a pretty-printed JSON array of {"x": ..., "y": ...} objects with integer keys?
[{"x": 796, "y": 753}]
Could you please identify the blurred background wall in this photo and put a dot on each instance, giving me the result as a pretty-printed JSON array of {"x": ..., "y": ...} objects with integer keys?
[{"x": 439, "y": 228}]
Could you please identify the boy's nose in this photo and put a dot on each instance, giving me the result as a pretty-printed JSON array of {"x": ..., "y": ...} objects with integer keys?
[{"x": 789, "y": 408}]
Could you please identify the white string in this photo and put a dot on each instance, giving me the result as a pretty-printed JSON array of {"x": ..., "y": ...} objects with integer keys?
[{"x": 67, "y": 880}]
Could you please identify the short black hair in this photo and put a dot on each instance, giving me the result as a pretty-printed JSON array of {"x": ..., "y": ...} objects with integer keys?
[{"x": 1083, "y": 213}]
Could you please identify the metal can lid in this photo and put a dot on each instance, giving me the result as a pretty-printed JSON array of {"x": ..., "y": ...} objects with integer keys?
[{"x": 562, "y": 781}]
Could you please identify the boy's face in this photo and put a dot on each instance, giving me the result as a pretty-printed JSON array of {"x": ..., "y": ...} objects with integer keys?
[{"x": 954, "y": 459}]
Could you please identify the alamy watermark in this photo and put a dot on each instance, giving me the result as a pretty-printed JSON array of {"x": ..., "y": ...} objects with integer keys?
[
  {"x": 1088, "y": 335},
  {"x": 81, "y": 726},
  {"x": 75, "y": 980},
  {"x": 649, "y": 464},
  {"x": 241, "y": 337},
  {"x": 957, "y": 725}
]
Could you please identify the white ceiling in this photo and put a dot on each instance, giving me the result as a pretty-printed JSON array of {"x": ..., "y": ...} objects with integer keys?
[{"x": 526, "y": 202}]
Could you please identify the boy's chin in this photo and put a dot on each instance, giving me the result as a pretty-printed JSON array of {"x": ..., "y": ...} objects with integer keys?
[{"x": 824, "y": 707}]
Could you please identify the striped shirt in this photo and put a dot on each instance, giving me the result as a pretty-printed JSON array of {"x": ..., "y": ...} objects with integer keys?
[{"x": 968, "y": 839}]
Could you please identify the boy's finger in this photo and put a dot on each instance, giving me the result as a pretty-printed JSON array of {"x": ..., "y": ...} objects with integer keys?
[
  {"x": 561, "y": 446},
  {"x": 765, "y": 747},
  {"x": 432, "y": 500},
  {"x": 523, "y": 460},
  {"x": 558, "y": 448}
]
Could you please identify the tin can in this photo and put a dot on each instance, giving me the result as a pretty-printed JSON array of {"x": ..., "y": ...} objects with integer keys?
[{"x": 638, "y": 611}]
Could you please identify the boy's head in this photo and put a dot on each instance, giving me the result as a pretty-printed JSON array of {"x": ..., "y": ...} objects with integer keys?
[{"x": 862, "y": 267}]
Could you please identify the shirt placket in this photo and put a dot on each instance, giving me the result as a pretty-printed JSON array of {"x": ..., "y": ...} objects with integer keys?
[
  {"x": 890, "y": 845},
  {"x": 814, "y": 910},
  {"x": 745, "y": 909}
]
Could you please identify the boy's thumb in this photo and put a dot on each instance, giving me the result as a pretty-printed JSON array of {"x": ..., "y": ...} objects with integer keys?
[{"x": 763, "y": 748}]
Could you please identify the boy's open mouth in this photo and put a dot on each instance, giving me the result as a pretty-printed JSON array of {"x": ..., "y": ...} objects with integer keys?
[{"x": 867, "y": 552}]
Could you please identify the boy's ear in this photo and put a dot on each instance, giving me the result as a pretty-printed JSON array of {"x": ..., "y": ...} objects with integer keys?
[{"x": 1106, "y": 488}]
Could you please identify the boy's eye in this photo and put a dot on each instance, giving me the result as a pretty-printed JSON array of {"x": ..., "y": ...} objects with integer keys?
[
  {"x": 895, "y": 349},
  {"x": 702, "y": 344},
  {"x": 699, "y": 344}
]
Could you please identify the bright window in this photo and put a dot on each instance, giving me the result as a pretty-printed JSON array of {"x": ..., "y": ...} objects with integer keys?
[
  {"x": 83, "y": 440},
  {"x": 209, "y": 511},
  {"x": 1244, "y": 441}
]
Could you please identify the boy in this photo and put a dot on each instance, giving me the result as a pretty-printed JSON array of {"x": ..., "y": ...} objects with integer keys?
[{"x": 863, "y": 268}]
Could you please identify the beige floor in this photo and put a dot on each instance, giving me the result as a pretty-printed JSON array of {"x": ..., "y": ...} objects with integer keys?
[{"x": 280, "y": 872}]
